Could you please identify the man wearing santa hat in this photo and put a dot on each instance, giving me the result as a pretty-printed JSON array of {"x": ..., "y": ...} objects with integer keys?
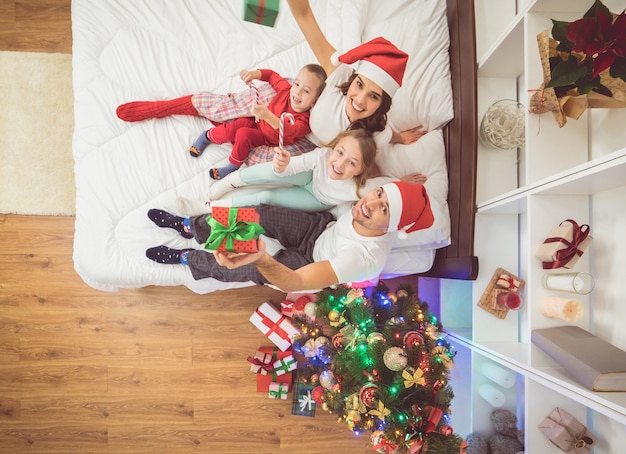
[{"x": 317, "y": 250}]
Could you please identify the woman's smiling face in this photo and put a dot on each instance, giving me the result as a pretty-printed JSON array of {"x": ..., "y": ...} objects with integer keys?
[
  {"x": 345, "y": 160},
  {"x": 363, "y": 98}
]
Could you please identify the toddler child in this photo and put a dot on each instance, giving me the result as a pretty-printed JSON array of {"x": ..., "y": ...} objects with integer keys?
[{"x": 246, "y": 133}]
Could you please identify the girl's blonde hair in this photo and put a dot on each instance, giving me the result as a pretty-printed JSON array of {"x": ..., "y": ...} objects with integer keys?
[{"x": 367, "y": 145}]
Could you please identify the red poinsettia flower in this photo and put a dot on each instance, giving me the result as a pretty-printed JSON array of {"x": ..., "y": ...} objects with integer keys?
[{"x": 599, "y": 38}]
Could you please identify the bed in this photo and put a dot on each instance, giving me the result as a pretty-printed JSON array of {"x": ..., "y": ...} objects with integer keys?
[{"x": 159, "y": 49}]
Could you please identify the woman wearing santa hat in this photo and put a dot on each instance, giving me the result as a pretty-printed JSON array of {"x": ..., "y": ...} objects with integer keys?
[{"x": 354, "y": 97}]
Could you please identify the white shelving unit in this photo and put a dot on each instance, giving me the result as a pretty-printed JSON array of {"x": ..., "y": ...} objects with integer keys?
[{"x": 575, "y": 172}]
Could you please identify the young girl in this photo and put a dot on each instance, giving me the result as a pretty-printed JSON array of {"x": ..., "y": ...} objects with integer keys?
[{"x": 319, "y": 180}]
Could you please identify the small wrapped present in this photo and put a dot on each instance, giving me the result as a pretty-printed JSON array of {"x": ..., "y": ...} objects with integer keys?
[
  {"x": 564, "y": 246},
  {"x": 262, "y": 12},
  {"x": 302, "y": 403},
  {"x": 278, "y": 328},
  {"x": 566, "y": 432},
  {"x": 261, "y": 363},
  {"x": 278, "y": 391},
  {"x": 296, "y": 307},
  {"x": 509, "y": 282},
  {"x": 285, "y": 365},
  {"x": 271, "y": 354},
  {"x": 233, "y": 229},
  {"x": 263, "y": 382}
]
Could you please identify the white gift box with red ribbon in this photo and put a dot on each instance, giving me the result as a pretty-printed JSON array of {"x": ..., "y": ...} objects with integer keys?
[{"x": 277, "y": 327}]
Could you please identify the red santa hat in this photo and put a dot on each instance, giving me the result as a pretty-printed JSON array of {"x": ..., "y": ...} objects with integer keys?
[
  {"x": 380, "y": 61},
  {"x": 409, "y": 207}
]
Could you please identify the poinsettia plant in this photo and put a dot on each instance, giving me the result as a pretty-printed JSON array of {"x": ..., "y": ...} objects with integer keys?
[{"x": 586, "y": 47}]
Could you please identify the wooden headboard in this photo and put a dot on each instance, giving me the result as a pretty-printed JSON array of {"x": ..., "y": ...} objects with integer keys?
[{"x": 457, "y": 261}]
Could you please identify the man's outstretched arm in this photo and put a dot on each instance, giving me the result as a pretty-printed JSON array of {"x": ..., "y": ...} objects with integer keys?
[{"x": 313, "y": 276}]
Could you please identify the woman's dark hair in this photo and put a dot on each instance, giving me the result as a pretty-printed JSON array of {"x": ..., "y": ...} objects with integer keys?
[{"x": 378, "y": 120}]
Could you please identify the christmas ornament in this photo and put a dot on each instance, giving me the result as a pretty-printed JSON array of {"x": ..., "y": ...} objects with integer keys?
[
  {"x": 381, "y": 445},
  {"x": 317, "y": 394},
  {"x": 327, "y": 379},
  {"x": 333, "y": 315},
  {"x": 393, "y": 321},
  {"x": 395, "y": 358},
  {"x": 354, "y": 295},
  {"x": 367, "y": 394},
  {"x": 413, "y": 377},
  {"x": 308, "y": 349},
  {"x": 381, "y": 412},
  {"x": 325, "y": 353},
  {"x": 412, "y": 338},
  {"x": 338, "y": 341},
  {"x": 309, "y": 310},
  {"x": 402, "y": 293},
  {"x": 374, "y": 337},
  {"x": 319, "y": 342}
]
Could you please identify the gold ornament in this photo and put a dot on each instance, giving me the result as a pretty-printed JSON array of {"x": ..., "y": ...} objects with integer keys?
[
  {"x": 381, "y": 411},
  {"x": 415, "y": 379}
]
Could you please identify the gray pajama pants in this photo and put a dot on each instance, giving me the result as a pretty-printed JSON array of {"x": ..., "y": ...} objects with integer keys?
[{"x": 296, "y": 230}]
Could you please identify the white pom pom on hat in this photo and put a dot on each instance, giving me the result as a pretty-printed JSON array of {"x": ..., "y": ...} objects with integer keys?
[
  {"x": 379, "y": 60},
  {"x": 409, "y": 208}
]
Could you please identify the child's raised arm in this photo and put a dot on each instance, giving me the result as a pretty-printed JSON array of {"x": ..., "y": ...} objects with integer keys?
[{"x": 249, "y": 75}]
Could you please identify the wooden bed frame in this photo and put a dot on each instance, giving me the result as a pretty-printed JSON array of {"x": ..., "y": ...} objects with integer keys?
[{"x": 457, "y": 261}]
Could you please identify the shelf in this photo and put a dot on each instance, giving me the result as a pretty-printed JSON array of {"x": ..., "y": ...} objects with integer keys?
[
  {"x": 515, "y": 356},
  {"x": 577, "y": 172},
  {"x": 503, "y": 59},
  {"x": 589, "y": 178}
]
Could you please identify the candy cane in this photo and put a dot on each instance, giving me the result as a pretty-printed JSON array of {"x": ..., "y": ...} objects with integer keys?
[
  {"x": 281, "y": 129},
  {"x": 257, "y": 96},
  {"x": 255, "y": 91}
]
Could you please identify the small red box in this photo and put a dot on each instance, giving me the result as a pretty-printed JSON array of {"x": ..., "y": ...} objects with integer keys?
[{"x": 234, "y": 229}]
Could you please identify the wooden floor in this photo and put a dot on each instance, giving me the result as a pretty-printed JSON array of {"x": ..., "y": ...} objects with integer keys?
[{"x": 153, "y": 370}]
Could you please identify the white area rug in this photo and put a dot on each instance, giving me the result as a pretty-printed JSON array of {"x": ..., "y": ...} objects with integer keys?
[{"x": 36, "y": 126}]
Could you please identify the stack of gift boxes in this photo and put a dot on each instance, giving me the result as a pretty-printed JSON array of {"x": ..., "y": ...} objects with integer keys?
[
  {"x": 237, "y": 230},
  {"x": 274, "y": 366}
]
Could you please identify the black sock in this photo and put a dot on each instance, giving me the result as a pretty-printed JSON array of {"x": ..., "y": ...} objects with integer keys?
[
  {"x": 166, "y": 255},
  {"x": 164, "y": 219}
]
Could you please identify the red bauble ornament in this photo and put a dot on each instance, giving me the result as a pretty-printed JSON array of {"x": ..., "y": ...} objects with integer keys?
[
  {"x": 367, "y": 395},
  {"x": 338, "y": 341},
  {"x": 317, "y": 394},
  {"x": 413, "y": 338}
]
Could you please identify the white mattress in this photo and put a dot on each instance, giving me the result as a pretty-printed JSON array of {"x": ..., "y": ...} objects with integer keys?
[{"x": 160, "y": 49}]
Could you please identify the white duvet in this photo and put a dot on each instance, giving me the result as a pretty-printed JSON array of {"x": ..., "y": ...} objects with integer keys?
[{"x": 160, "y": 49}]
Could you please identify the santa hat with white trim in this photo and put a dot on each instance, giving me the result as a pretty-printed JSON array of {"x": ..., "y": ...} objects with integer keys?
[
  {"x": 379, "y": 60},
  {"x": 409, "y": 207}
]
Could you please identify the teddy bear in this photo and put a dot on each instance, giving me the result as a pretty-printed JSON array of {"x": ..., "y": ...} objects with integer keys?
[{"x": 506, "y": 439}]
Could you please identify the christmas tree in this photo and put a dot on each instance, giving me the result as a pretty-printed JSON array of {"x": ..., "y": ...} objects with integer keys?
[{"x": 381, "y": 362}]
